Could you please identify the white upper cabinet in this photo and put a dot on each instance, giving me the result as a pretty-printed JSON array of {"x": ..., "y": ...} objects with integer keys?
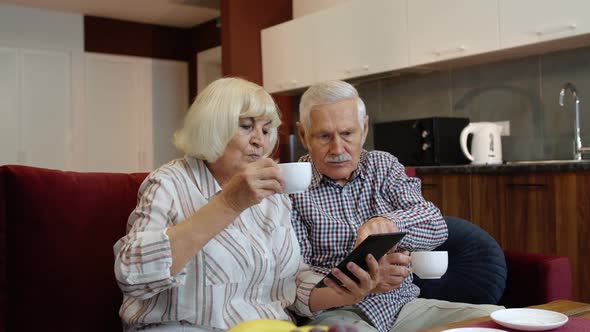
[
  {"x": 357, "y": 39},
  {"x": 441, "y": 30},
  {"x": 525, "y": 22},
  {"x": 287, "y": 55}
]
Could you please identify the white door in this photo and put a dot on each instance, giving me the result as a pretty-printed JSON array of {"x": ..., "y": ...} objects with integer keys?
[
  {"x": 287, "y": 55},
  {"x": 530, "y": 21},
  {"x": 442, "y": 30},
  {"x": 355, "y": 39},
  {"x": 9, "y": 106},
  {"x": 114, "y": 101},
  {"x": 46, "y": 108},
  {"x": 208, "y": 67},
  {"x": 169, "y": 105}
]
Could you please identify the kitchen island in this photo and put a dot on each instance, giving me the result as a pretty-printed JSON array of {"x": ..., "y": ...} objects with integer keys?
[
  {"x": 534, "y": 207},
  {"x": 509, "y": 167}
]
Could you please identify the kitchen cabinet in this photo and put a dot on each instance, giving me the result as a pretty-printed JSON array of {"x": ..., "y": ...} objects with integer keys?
[
  {"x": 485, "y": 191},
  {"x": 450, "y": 193},
  {"x": 287, "y": 55},
  {"x": 353, "y": 39},
  {"x": 517, "y": 210},
  {"x": 531, "y": 21},
  {"x": 542, "y": 212},
  {"x": 133, "y": 107},
  {"x": 527, "y": 213},
  {"x": 572, "y": 201},
  {"x": 442, "y": 30},
  {"x": 35, "y": 107}
]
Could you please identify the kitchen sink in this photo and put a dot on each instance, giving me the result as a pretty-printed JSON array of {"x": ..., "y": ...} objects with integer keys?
[{"x": 542, "y": 162}]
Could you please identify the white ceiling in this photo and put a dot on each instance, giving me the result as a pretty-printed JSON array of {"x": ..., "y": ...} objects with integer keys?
[{"x": 177, "y": 13}]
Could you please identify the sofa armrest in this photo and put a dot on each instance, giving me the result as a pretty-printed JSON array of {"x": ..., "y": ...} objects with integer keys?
[{"x": 536, "y": 279}]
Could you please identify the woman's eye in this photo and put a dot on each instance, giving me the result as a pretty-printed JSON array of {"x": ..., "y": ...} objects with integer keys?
[
  {"x": 265, "y": 131},
  {"x": 246, "y": 126}
]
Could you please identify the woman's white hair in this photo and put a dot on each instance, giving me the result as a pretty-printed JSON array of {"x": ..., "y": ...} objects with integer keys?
[
  {"x": 329, "y": 92},
  {"x": 213, "y": 119}
]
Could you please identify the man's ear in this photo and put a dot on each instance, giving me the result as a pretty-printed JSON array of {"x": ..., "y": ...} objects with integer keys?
[
  {"x": 365, "y": 129},
  {"x": 301, "y": 133}
]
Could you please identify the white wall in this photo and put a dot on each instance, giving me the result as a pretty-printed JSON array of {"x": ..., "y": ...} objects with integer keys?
[
  {"x": 208, "y": 67},
  {"x": 304, "y": 7},
  {"x": 44, "y": 56},
  {"x": 66, "y": 109},
  {"x": 39, "y": 28}
]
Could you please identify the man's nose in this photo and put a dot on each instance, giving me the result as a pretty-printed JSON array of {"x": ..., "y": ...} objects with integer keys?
[{"x": 336, "y": 145}]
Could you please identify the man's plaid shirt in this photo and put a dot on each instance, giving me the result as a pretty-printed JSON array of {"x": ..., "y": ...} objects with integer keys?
[{"x": 327, "y": 216}]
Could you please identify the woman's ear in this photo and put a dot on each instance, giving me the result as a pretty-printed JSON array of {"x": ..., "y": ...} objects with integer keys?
[{"x": 301, "y": 133}]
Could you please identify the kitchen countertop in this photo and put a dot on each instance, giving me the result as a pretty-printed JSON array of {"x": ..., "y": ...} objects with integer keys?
[{"x": 509, "y": 167}]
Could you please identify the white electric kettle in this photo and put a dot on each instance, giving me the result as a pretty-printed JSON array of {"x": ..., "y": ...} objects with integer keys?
[{"x": 486, "y": 145}]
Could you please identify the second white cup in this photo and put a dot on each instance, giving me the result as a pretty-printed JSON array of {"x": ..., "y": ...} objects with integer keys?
[
  {"x": 297, "y": 176},
  {"x": 430, "y": 264}
]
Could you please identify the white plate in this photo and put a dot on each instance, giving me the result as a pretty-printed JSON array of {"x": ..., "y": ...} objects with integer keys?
[
  {"x": 529, "y": 319},
  {"x": 474, "y": 329}
]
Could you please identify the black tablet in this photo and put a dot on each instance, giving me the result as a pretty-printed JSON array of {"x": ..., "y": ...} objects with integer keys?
[{"x": 375, "y": 244}]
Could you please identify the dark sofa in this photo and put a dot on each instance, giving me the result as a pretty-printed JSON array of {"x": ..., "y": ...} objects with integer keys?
[{"x": 57, "y": 230}]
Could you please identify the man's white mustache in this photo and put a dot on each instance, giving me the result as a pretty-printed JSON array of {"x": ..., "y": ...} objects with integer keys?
[{"x": 338, "y": 158}]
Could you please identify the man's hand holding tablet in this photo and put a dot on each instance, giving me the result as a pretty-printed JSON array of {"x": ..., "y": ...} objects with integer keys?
[{"x": 375, "y": 244}]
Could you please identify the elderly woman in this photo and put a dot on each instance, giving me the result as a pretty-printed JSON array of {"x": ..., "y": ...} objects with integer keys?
[{"x": 210, "y": 243}]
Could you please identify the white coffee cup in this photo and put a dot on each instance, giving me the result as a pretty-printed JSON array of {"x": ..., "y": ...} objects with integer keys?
[
  {"x": 429, "y": 264},
  {"x": 296, "y": 177}
]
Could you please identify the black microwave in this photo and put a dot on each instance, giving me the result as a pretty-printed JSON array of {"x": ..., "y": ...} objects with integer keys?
[{"x": 422, "y": 142}]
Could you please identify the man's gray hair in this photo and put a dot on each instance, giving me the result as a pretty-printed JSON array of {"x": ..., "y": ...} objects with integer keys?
[{"x": 329, "y": 92}]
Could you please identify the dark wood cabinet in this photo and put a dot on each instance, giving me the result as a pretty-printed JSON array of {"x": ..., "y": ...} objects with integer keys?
[
  {"x": 450, "y": 193},
  {"x": 527, "y": 213},
  {"x": 486, "y": 208},
  {"x": 541, "y": 212}
]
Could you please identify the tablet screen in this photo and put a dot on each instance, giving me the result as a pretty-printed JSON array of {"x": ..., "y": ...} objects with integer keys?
[{"x": 375, "y": 244}]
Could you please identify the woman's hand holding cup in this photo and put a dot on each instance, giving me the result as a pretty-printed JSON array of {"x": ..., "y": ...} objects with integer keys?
[{"x": 256, "y": 181}]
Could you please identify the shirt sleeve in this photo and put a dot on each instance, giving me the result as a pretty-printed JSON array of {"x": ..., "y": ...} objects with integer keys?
[
  {"x": 143, "y": 257},
  {"x": 419, "y": 218}
]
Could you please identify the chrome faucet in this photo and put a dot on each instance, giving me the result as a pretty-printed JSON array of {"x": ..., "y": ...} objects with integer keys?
[{"x": 578, "y": 149}]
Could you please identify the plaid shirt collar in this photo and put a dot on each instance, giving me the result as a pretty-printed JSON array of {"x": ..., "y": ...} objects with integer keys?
[{"x": 318, "y": 178}]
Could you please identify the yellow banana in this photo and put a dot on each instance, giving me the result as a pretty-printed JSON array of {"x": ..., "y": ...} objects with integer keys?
[
  {"x": 263, "y": 325},
  {"x": 307, "y": 328}
]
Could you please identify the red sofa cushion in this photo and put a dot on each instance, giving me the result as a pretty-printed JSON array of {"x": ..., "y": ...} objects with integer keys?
[
  {"x": 536, "y": 278},
  {"x": 58, "y": 230}
]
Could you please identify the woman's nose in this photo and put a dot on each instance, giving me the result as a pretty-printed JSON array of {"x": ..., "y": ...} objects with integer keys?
[{"x": 257, "y": 137}]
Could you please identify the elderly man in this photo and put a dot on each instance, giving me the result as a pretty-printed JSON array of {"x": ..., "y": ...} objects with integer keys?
[{"x": 355, "y": 193}]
